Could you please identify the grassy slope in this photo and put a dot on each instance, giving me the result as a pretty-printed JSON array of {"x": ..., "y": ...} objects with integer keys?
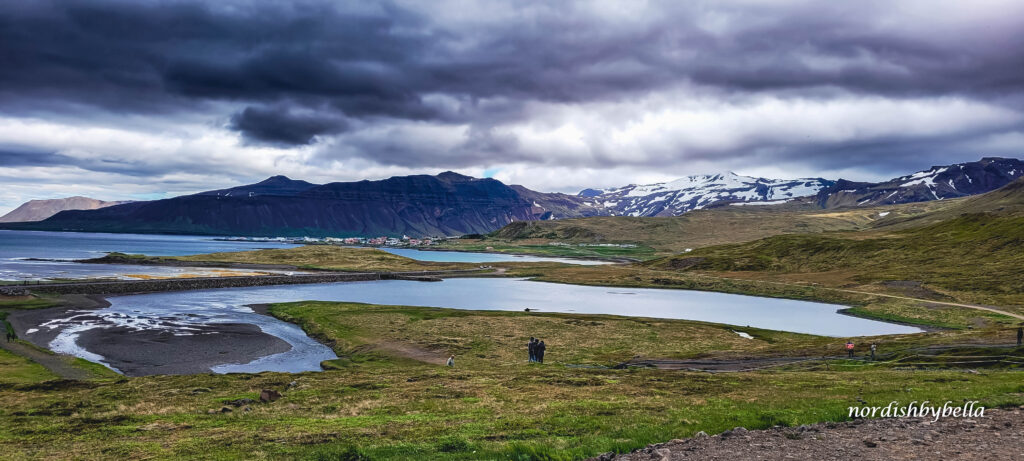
[
  {"x": 544, "y": 248},
  {"x": 973, "y": 258},
  {"x": 492, "y": 405},
  {"x": 19, "y": 370},
  {"x": 730, "y": 224}
]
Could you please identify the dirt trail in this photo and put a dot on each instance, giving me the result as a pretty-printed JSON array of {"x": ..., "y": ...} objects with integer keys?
[
  {"x": 844, "y": 290},
  {"x": 57, "y": 364},
  {"x": 997, "y": 435}
]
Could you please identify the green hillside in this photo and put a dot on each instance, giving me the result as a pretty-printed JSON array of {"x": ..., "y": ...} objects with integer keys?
[{"x": 701, "y": 228}]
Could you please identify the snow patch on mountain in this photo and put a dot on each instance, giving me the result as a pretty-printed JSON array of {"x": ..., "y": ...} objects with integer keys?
[{"x": 696, "y": 192}]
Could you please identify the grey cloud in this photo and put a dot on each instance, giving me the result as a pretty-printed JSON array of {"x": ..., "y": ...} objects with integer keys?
[
  {"x": 16, "y": 157},
  {"x": 308, "y": 69},
  {"x": 281, "y": 127}
]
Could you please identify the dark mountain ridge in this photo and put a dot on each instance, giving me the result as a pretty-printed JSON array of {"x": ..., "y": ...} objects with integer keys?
[
  {"x": 420, "y": 205},
  {"x": 454, "y": 204},
  {"x": 274, "y": 185},
  {"x": 936, "y": 183}
]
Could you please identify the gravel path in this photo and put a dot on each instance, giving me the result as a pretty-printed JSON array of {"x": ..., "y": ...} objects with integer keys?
[{"x": 999, "y": 435}]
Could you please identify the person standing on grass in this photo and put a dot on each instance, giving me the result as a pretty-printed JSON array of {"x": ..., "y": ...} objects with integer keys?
[
  {"x": 873, "y": 351},
  {"x": 849, "y": 349},
  {"x": 540, "y": 351},
  {"x": 1020, "y": 335},
  {"x": 530, "y": 347},
  {"x": 451, "y": 361}
]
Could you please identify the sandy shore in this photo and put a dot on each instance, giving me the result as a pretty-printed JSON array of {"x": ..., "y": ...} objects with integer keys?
[
  {"x": 150, "y": 352},
  {"x": 139, "y": 353}
]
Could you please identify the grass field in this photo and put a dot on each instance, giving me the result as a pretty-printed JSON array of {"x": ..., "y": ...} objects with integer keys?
[
  {"x": 19, "y": 370},
  {"x": 544, "y": 248},
  {"x": 385, "y": 400},
  {"x": 328, "y": 257},
  {"x": 701, "y": 228}
]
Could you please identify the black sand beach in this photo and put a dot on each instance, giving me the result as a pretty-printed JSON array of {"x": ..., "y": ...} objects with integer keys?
[{"x": 151, "y": 352}]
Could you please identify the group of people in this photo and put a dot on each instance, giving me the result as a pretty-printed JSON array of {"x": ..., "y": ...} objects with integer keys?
[
  {"x": 536, "y": 348},
  {"x": 850, "y": 346}
]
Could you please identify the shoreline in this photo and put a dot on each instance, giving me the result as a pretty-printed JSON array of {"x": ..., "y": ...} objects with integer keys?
[
  {"x": 926, "y": 328},
  {"x": 581, "y": 258},
  {"x": 145, "y": 353}
]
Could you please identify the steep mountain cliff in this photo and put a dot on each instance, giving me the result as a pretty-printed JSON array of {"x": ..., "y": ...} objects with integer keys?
[
  {"x": 38, "y": 210},
  {"x": 446, "y": 204}
]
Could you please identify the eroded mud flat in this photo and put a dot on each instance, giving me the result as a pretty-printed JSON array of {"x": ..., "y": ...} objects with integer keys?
[{"x": 169, "y": 337}]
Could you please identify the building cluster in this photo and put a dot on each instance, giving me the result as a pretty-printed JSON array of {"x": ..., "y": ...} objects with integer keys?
[{"x": 405, "y": 241}]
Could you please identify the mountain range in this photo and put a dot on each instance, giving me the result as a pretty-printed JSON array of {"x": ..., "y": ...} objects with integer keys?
[
  {"x": 454, "y": 204},
  {"x": 696, "y": 192},
  {"x": 38, "y": 210}
]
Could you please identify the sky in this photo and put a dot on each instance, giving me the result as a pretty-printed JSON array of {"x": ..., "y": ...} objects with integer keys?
[{"x": 146, "y": 99}]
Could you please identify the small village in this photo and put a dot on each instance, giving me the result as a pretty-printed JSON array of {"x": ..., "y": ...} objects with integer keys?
[{"x": 404, "y": 241}]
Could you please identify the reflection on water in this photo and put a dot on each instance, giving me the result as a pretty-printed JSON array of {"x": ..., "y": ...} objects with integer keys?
[
  {"x": 39, "y": 255},
  {"x": 179, "y": 312},
  {"x": 58, "y": 249}
]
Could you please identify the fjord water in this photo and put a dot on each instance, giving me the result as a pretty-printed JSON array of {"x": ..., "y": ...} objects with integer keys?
[
  {"x": 59, "y": 248},
  {"x": 177, "y": 312}
]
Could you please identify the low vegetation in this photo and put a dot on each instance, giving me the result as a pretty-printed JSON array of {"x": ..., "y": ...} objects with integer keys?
[
  {"x": 590, "y": 251},
  {"x": 327, "y": 257},
  {"x": 972, "y": 258},
  {"x": 20, "y": 370},
  {"x": 701, "y": 228},
  {"x": 389, "y": 398}
]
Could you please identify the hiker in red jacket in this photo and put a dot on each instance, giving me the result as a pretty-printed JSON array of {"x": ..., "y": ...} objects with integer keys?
[{"x": 849, "y": 348}]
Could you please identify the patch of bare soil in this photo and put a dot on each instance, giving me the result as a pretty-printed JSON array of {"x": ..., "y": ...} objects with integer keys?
[
  {"x": 410, "y": 351},
  {"x": 999, "y": 435}
]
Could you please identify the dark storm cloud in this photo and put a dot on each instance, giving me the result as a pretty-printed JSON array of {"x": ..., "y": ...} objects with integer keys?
[
  {"x": 278, "y": 126},
  {"x": 21, "y": 157},
  {"x": 16, "y": 157},
  {"x": 303, "y": 70}
]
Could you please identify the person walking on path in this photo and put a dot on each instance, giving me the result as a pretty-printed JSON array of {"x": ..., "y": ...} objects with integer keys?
[
  {"x": 451, "y": 361},
  {"x": 532, "y": 347},
  {"x": 1020, "y": 335},
  {"x": 873, "y": 351},
  {"x": 849, "y": 348},
  {"x": 540, "y": 351}
]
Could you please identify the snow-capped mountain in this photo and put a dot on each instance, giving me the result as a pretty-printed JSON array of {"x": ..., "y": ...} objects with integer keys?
[
  {"x": 695, "y": 192},
  {"x": 935, "y": 183}
]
